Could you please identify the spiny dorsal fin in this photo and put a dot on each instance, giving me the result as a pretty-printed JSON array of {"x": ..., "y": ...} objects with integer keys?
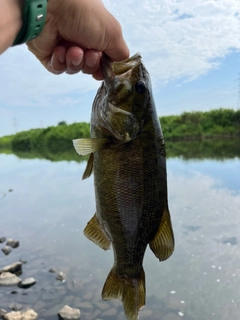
[
  {"x": 163, "y": 243},
  {"x": 89, "y": 168},
  {"x": 94, "y": 232},
  {"x": 89, "y": 145},
  {"x": 130, "y": 291}
]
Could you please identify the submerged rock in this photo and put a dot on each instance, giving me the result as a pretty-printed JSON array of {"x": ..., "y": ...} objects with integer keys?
[
  {"x": 67, "y": 313},
  {"x": 14, "y": 292},
  {"x": 8, "y": 279},
  {"x": 2, "y": 239},
  {"x": 27, "y": 283},
  {"x": 28, "y": 314},
  {"x": 13, "y": 243},
  {"x": 85, "y": 305},
  {"x": 109, "y": 312},
  {"x": 13, "y": 268},
  {"x": 23, "y": 261},
  {"x": 51, "y": 270},
  {"x": 6, "y": 250}
]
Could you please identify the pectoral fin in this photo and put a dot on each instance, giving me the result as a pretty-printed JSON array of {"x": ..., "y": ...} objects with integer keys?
[
  {"x": 89, "y": 168},
  {"x": 94, "y": 232},
  {"x": 89, "y": 145},
  {"x": 163, "y": 243}
]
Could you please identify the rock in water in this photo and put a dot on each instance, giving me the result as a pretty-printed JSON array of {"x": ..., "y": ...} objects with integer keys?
[
  {"x": 61, "y": 276},
  {"x": 2, "y": 312},
  {"x": 67, "y": 313},
  {"x": 8, "y": 279},
  {"x": 2, "y": 239},
  {"x": 27, "y": 283},
  {"x": 13, "y": 243},
  {"x": 6, "y": 250},
  {"x": 28, "y": 314},
  {"x": 13, "y": 268}
]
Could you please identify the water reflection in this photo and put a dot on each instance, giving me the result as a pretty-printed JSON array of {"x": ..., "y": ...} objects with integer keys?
[
  {"x": 196, "y": 149},
  {"x": 50, "y": 207}
]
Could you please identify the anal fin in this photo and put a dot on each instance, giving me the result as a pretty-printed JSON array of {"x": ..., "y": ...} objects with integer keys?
[
  {"x": 163, "y": 243},
  {"x": 94, "y": 232}
]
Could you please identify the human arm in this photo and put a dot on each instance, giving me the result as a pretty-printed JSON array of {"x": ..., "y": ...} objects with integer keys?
[
  {"x": 75, "y": 34},
  {"x": 10, "y": 22}
]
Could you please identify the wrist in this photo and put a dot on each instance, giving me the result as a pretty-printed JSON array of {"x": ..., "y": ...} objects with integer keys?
[
  {"x": 10, "y": 22},
  {"x": 34, "y": 15}
]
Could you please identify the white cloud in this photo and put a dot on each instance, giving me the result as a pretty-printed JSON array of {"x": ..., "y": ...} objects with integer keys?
[
  {"x": 180, "y": 38},
  {"x": 177, "y": 39},
  {"x": 25, "y": 82}
]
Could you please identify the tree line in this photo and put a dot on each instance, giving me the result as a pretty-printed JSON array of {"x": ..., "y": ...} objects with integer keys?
[{"x": 218, "y": 123}]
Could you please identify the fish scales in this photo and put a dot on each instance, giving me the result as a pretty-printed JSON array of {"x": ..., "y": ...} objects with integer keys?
[
  {"x": 127, "y": 153},
  {"x": 133, "y": 222}
]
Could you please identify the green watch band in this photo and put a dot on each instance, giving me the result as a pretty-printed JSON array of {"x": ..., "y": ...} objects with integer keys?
[{"x": 34, "y": 15}]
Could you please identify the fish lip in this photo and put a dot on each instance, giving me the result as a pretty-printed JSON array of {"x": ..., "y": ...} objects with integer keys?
[
  {"x": 111, "y": 69},
  {"x": 106, "y": 65},
  {"x": 130, "y": 59}
]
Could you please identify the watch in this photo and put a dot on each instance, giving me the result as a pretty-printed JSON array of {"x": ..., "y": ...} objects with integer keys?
[{"x": 34, "y": 16}]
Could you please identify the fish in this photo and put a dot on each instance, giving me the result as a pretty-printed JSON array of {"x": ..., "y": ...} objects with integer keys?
[{"x": 127, "y": 156}]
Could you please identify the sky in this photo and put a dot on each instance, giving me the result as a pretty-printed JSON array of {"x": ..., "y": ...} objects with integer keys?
[{"x": 190, "y": 48}]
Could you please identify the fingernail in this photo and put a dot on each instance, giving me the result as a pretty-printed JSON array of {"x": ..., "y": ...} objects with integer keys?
[{"x": 76, "y": 62}]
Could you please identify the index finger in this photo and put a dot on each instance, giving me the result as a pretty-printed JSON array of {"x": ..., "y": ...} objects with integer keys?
[{"x": 116, "y": 48}]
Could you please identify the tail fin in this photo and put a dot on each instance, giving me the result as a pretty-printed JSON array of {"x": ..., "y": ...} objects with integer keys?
[{"x": 130, "y": 290}]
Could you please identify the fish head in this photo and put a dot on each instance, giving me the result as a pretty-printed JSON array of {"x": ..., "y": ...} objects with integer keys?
[{"x": 125, "y": 94}]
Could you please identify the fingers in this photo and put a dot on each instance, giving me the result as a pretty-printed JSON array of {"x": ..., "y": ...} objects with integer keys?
[
  {"x": 57, "y": 64},
  {"x": 69, "y": 60},
  {"x": 91, "y": 61},
  {"x": 74, "y": 59}
]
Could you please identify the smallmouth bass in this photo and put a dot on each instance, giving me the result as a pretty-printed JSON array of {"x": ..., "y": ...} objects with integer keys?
[{"x": 127, "y": 152}]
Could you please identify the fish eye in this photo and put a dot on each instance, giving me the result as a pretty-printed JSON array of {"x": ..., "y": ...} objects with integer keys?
[{"x": 140, "y": 86}]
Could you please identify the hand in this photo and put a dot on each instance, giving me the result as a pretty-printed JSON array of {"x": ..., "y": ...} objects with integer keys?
[{"x": 75, "y": 34}]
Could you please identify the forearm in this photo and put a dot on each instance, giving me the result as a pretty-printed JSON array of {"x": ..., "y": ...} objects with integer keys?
[{"x": 10, "y": 22}]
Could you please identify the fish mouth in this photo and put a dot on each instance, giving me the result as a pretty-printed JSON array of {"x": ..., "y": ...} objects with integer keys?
[{"x": 111, "y": 69}]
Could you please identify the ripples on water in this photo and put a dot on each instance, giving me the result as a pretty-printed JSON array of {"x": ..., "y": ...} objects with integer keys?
[{"x": 50, "y": 206}]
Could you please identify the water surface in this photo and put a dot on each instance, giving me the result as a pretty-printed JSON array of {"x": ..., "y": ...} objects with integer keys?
[{"x": 49, "y": 207}]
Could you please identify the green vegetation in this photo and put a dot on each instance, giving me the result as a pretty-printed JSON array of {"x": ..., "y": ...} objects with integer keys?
[
  {"x": 204, "y": 149},
  {"x": 52, "y": 142},
  {"x": 57, "y": 139},
  {"x": 6, "y": 142},
  {"x": 70, "y": 155},
  {"x": 201, "y": 125},
  {"x": 191, "y": 149}
]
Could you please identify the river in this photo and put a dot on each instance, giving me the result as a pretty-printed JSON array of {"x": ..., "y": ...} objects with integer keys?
[{"x": 45, "y": 205}]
